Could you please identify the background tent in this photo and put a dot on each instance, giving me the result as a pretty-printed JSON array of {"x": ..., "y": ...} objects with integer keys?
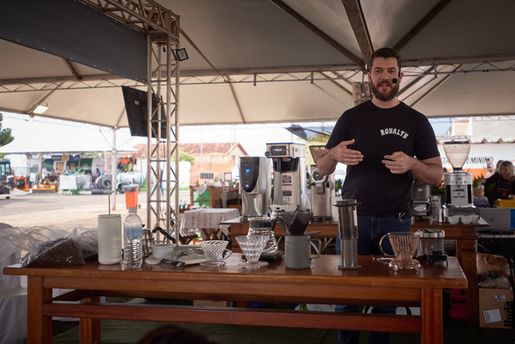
[{"x": 253, "y": 61}]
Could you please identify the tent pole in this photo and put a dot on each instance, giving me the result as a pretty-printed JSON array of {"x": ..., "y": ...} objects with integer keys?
[{"x": 113, "y": 168}]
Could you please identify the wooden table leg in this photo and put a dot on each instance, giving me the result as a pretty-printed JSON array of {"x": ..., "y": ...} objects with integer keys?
[
  {"x": 89, "y": 328},
  {"x": 466, "y": 251},
  {"x": 39, "y": 326},
  {"x": 432, "y": 317}
]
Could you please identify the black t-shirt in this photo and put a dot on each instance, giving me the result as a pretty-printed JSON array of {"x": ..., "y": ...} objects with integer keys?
[
  {"x": 379, "y": 132},
  {"x": 503, "y": 188}
]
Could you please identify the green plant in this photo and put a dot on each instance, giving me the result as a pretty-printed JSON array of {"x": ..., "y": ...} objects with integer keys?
[
  {"x": 5, "y": 134},
  {"x": 438, "y": 190},
  {"x": 338, "y": 185}
]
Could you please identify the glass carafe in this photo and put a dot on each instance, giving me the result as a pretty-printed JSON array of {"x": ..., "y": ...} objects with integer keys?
[{"x": 263, "y": 227}]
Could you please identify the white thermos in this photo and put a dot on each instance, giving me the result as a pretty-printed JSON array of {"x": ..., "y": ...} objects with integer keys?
[{"x": 109, "y": 238}]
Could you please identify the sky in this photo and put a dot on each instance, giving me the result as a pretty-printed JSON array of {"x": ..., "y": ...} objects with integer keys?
[{"x": 43, "y": 134}]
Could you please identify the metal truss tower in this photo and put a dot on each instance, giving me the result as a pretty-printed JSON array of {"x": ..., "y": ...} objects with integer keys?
[{"x": 161, "y": 27}]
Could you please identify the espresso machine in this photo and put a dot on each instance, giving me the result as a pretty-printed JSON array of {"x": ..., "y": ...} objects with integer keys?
[
  {"x": 322, "y": 190},
  {"x": 289, "y": 175},
  {"x": 459, "y": 205},
  {"x": 254, "y": 185}
]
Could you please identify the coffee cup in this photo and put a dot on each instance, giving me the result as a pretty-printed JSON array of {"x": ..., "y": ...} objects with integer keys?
[
  {"x": 162, "y": 250},
  {"x": 298, "y": 252}
]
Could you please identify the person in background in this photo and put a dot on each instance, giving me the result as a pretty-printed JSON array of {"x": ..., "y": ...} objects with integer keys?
[
  {"x": 489, "y": 183},
  {"x": 501, "y": 185},
  {"x": 385, "y": 144}
]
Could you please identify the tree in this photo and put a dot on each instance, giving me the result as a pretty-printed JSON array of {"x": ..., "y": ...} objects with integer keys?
[
  {"x": 5, "y": 134},
  {"x": 183, "y": 156}
]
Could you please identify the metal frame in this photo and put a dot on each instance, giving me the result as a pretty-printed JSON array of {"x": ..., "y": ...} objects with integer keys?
[
  {"x": 109, "y": 81},
  {"x": 162, "y": 29}
]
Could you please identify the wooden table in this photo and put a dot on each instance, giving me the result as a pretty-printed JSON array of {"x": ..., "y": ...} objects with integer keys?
[
  {"x": 466, "y": 249},
  {"x": 466, "y": 252},
  {"x": 374, "y": 283}
]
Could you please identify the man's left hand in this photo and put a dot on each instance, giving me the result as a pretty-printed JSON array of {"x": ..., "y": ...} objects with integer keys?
[{"x": 398, "y": 162}]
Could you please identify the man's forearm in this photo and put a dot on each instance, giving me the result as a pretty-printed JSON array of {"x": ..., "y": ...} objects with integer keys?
[
  {"x": 427, "y": 172},
  {"x": 325, "y": 163}
]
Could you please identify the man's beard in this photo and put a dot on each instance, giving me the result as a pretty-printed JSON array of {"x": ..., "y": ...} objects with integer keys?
[{"x": 388, "y": 95}]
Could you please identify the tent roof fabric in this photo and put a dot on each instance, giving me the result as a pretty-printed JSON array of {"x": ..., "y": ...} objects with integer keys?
[{"x": 253, "y": 61}]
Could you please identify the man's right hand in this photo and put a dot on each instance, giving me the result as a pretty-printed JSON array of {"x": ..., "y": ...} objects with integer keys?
[{"x": 345, "y": 155}]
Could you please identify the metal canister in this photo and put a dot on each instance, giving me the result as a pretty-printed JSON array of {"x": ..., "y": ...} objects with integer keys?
[
  {"x": 348, "y": 232},
  {"x": 436, "y": 209}
]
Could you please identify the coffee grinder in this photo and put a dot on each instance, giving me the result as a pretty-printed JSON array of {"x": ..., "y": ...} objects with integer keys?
[
  {"x": 322, "y": 189},
  {"x": 459, "y": 204},
  {"x": 289, "y": 175},
  {"x": 254, "y": 185}
]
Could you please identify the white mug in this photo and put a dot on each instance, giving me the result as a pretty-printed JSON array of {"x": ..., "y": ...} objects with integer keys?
[
  {"x": 162, "y": 250},
  {"x": 297, "y": 253}
]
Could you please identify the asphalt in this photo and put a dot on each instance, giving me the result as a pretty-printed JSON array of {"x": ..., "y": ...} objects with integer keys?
[{"x": 62, "y": 210}]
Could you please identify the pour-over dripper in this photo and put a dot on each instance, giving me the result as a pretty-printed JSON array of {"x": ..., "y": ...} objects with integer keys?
[
  {"x": 252, "y": 246},
  {"x": 404, "y": 246},
  {"x": 295, "y": 223},
  {"x": 457, "y": 152}
]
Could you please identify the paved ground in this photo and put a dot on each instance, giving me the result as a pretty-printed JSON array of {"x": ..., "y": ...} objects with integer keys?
[{"x": 64, "y": 211}]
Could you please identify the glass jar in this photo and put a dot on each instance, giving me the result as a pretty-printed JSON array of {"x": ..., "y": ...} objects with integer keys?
[
  {"x": 431, "y": 244},
  {"x": 263, "y": 227}
]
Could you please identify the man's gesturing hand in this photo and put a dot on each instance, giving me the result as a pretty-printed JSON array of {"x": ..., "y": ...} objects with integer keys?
[
  {"x": 346, "y": 155},
  {"x": 398, "y": 162}
]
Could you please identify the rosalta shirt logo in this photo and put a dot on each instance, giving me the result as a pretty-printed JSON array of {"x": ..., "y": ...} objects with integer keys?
[{"x": 394, "y": 131}]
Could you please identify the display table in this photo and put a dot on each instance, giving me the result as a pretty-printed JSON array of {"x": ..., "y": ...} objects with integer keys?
[
  {"x": 374, "y": 283},
  {"x": 466, "y": 252},
  {"x": 464, "y": 235},
  {"x": 207, "y": 220}
]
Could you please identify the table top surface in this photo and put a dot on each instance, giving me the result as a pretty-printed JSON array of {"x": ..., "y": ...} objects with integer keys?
[
  {"x": 323, "y": 270},
  {"x": 373, "y": 283}
]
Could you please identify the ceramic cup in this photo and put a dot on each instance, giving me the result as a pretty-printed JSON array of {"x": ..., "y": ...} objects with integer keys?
[{"x": 162, "y": 250}]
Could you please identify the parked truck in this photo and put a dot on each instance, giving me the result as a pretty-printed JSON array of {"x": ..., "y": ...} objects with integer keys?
[{"x": 5, "y": 172}]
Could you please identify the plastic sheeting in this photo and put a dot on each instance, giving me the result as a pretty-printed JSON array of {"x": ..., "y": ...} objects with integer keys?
[
  {"x": 13, "y": 298},
  {"x": 13, "y": 317},
  {"x": 16, "y": 242}
]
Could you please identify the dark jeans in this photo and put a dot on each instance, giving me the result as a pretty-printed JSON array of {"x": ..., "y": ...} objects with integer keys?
[{"x": 370, "y": 231}]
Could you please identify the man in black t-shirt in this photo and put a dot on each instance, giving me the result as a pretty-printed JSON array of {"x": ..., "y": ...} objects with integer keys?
[{"x": 385, "y": 144}]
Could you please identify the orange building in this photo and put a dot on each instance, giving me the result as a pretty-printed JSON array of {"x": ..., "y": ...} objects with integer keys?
[{"x": 213, "y": 161}]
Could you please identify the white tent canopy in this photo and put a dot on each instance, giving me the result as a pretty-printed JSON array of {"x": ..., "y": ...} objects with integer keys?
[{"x": 255, "y": 61}]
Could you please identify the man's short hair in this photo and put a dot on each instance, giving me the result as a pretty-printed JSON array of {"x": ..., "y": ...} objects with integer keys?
[{"x": 385, "y": 53}]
